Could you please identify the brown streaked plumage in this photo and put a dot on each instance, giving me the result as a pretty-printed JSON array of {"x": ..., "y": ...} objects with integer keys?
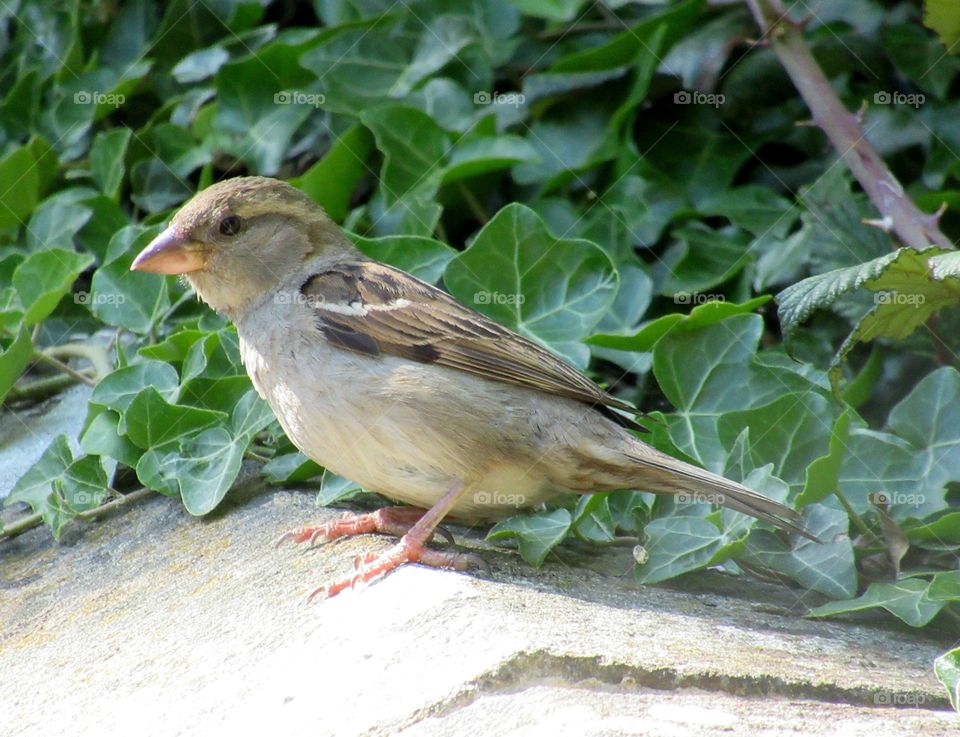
[{"x": 393, "y": 383}]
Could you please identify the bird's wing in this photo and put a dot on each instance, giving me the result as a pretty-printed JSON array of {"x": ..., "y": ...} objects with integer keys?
[{"x": 372, "y": 308}]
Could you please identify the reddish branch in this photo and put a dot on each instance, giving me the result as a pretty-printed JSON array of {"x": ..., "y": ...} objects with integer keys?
[{"x": 899, "y": 214}]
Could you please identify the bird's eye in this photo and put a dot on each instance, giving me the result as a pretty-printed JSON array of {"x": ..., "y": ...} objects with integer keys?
[{"x": 230, "y": 225}]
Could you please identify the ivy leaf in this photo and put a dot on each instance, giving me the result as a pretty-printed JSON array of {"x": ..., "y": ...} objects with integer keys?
[
  {"x": 947, "y": 670},
  {"x": 35, "y": 486},
  {"x": 413, "y": 149},
  {"x": 152, "y": 421},
  {"x": 536, "y": 534},
  {"x": 14, "y": 359},
  {"x": 823, "y": 473},
  {"x": 124, "y": 298},
  {"x": 677, "y": 545},
  {"x": 707, "y": 372},
  {"x": 332, "y": 180},
  {"x": 107, "y": 160},
  {"x": 907, "y": 600},
  {"x": 44, "y": 277},
  {"x": 425, "y": 258},
  {"x": 550, "y": 289},
  {"x": 827, "y": 566}
]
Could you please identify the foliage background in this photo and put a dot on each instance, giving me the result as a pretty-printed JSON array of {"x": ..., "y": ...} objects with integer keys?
[{"x": 626, "y": 182}]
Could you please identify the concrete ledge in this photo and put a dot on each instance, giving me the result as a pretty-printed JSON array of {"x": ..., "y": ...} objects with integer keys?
[{"x": 154, "y": 622}]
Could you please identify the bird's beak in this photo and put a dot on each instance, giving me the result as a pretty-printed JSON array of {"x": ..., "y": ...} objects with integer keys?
[{"x": 169, "y": 253}]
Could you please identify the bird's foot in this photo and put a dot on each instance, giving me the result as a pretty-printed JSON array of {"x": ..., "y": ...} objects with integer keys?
[
  {"x": 409, "y": 549},
  {"x": 416, "y": 528},
  {"x": 395, "y": 521}
]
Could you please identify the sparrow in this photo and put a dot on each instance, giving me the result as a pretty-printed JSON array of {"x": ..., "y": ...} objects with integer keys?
[{"x": 392, "y": 383}]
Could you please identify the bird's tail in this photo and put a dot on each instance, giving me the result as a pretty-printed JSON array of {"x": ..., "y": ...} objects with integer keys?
[{"x": 663, "y": 474}]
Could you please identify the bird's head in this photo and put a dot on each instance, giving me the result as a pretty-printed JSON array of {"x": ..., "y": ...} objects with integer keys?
[{"x": 239, "y": 238}]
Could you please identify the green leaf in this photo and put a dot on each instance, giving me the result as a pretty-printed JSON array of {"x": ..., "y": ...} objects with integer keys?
[
  {"x": 107, "y": 160},
  {"x": 413, "y": 149},
  {"x": 551, "y": 289},
  {"x": 102, "y": 437},
  {"x": 117, "y": 390},
  {"x": 554, "y": 10},
  {"x": 129, "y": 299},
  {"x": 332, "y": 180},
  {"x": 425, "y": 258},
  {"x": 702, "y": 315},
  {"x": 35, "y": 486},
  {"x": 334, "y": 488},
  {"x": 14, "y": 359},
  {"x": 823, "y": 474},
  {"x": 536, "y": 534},
  {"x": 476, "y": 156},
  {"x": 827, "y": 566},
  {"x": 593, "y": 520},
  {"x": 909, "y": 287},
  {"x": 947, "y": 669},
  {"x": 677, "y": 545},
  {"x": 943, "y": 17},
  {"x": 207, "y": 468},
  {"x": 44, "y": 277},
  {"x": 791, "y": 432},
  {"x": 21, "y": 189},
  {"x": 290, "y": 468},
  {"x": 701, "y": 259},
  {"x": 907, "y": 600},
  {"x": 706, "y": 372},
  {"x": 152, "y": 421}
]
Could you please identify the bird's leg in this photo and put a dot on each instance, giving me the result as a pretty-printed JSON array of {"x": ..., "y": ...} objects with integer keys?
[
  {"x": 395, "y": 521},
  {"x": 410, "y": 549}
]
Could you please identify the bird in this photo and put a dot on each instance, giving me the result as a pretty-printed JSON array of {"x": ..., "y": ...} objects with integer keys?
[{"x": 391, "y": 382}]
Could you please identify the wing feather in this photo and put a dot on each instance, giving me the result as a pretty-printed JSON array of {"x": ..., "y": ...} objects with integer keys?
[{"x": 372, "y": 308}]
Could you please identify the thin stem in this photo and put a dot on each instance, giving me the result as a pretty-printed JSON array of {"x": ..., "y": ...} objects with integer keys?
[
  {"x": 61, "y": 366},
  {"x": 41, "y": 388},
  {"x": 21, "y": 525},
  {"x": 32, "y": 520},
  {"x": 899, "y": 214},
  {"x": 857, "y": 519},
  {"x": 473, "y": 203},
  {"x": 92, "y": 352}
]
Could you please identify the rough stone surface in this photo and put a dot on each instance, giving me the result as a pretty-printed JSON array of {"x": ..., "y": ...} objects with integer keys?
[{"x": 153, "y": 622}]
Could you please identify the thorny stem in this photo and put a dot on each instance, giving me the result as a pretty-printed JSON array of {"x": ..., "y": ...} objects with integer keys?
[{"x": 914, "y": 228}]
